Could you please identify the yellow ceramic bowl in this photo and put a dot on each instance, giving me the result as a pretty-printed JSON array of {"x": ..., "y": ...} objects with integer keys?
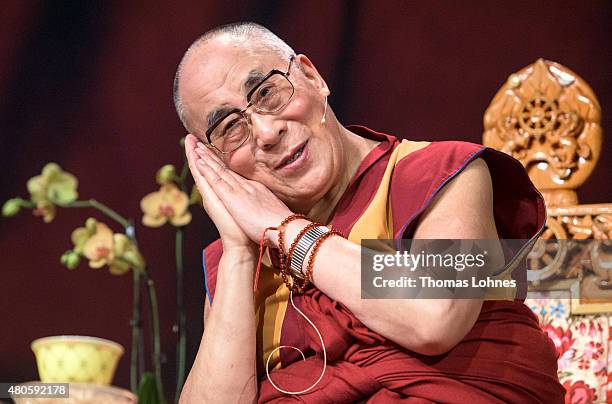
[
  {"x": 84, "y": 393},
  {"x": 74, "y": 358}
]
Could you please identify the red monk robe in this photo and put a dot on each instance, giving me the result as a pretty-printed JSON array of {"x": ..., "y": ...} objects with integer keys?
[{"x": 504, "y": 358}]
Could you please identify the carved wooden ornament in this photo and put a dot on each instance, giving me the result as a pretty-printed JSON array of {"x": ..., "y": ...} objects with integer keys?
[{"x": 548, "y": 118}]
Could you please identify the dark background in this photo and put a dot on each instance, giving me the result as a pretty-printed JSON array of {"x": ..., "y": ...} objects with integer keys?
[{"x": 88, "y": 85}]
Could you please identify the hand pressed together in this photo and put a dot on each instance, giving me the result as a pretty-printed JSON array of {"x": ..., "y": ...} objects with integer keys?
[{"x": 240, "y": 208}]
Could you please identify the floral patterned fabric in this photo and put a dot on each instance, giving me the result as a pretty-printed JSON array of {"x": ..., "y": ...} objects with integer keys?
[{"x": 584, "y": 346}]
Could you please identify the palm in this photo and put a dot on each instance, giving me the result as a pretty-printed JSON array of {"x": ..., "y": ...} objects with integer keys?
[
  {"x": 228, "y": 229},
  {"x": 252, "y": 205}
]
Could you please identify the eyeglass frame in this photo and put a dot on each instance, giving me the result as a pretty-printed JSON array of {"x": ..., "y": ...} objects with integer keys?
[{"x": 271, "y": 73}]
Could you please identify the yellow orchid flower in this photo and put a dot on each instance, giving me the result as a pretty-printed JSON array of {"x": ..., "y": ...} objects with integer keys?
[
  {"x": 53, "y": 187},
  {"x": 126, "y": 255},
  {"x": 45, "y": 209},
  {"x": 167, "y": 204},
  {"x": 100, "y": 246}
]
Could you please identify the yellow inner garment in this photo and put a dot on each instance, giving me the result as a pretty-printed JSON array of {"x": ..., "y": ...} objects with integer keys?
[
  {"x": 272, "y": 296},
  {"x": 376, "y": 222}
]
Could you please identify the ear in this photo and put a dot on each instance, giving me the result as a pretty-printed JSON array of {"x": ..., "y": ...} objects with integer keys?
[{"x": 312, "y": 74}]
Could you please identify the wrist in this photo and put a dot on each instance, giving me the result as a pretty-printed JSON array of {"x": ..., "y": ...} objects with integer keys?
[
  {"x": 240, "y": 250},
  {"x": 271, "y": 238},
  {"x": 237, "y": 268},
  {"x": 292, "y": 229}
]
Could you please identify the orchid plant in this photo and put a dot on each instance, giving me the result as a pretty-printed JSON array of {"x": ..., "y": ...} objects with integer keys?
[
  {"x": 100, "y": 246},
  {"x": 170, "y": 204}
]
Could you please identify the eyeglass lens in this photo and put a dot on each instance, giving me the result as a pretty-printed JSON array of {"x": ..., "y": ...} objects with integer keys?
[{"x": 269, "y": 97}]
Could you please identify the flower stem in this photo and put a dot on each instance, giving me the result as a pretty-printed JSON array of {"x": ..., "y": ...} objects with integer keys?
[
  {"x": 154, "y": 311},
  {"x": 136, "y": 310},
  {"x": 183, "y": 176},
  {"x": 92, "y": 203},
  {"x": 181, "y": 317},
  {"x": 26, "y": 204},
  {"x": 137, "y": 365},
  {"x": 136, "y": 325},
  {"x": 181, "y": 350}
]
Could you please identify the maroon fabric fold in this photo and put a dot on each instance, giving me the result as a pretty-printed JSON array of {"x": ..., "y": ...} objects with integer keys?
[{"x": 505, "y": 358}]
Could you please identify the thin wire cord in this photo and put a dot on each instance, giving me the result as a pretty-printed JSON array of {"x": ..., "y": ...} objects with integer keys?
[{"x": 301, "y": 353}]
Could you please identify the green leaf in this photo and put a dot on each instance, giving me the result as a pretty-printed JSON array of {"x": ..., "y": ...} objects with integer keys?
[{"x": 147, "y": 390}]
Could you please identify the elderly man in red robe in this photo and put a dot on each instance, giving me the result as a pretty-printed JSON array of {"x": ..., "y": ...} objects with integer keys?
[{"x": 274, "y": 165}]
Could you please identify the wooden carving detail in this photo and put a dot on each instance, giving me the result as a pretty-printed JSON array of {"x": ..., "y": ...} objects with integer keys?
[
  {"x": 584, "y": 222},
  {"x": 575, "y": 253},
  {"x": 548, "y": 118}
]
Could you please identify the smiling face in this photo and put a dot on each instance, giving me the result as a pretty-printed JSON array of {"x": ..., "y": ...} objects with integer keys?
[{"x": 218, "y": 75}]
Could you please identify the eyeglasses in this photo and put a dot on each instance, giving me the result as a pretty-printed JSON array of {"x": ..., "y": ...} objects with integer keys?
[{"x": 269, "y": 96}]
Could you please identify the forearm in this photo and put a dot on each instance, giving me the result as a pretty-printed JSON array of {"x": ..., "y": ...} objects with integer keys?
[
  {"x": 225, "y": 368},
  {"x": 426, "y": 326},
  {"x": 411, "y": 323}
]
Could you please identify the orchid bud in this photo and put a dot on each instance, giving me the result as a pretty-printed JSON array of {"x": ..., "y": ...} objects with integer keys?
[
  {"x": 72, "y": 260},
  {"x": 91, "y": 224},
  {"x": 166, "y": 174},
  {"x": 64, "y": 257},
  {"x": 11, "y": 207}
]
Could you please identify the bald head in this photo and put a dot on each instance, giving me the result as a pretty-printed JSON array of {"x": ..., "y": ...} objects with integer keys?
[{"x": 246, "y": 34}]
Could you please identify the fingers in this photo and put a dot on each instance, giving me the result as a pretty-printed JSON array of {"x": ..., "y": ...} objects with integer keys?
[
  {"x": 192, "y": 159},
  {"x": 190, "y": 141},
  {"x": 213, "y": 171},
  {"x": 217, "y": 172}
]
